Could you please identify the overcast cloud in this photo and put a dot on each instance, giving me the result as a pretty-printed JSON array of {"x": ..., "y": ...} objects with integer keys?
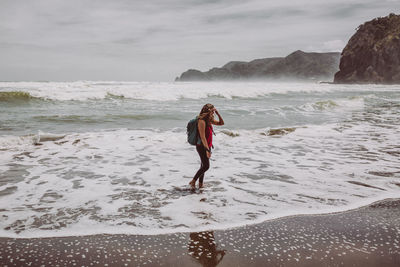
[{"x": 158, "y": 40}]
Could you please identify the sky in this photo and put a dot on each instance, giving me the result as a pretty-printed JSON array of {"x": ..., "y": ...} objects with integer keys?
[{"x": 157, "y": 40}]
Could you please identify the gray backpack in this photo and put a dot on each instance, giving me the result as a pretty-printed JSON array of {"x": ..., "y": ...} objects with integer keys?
[{"x": 192, "y": 132}]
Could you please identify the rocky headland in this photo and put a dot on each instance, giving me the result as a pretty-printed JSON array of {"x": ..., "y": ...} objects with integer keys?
[
  {"x": 298, "y": 65},
  {"x": 372, "y": 54}
]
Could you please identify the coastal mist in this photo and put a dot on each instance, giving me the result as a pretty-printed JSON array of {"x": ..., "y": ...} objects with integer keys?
[{"x": 112, "y": 157}]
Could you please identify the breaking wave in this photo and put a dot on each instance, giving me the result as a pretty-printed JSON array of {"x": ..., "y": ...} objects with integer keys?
[
  {"x": 15, "y": 96},
  {"x": 165, "y": 91}
]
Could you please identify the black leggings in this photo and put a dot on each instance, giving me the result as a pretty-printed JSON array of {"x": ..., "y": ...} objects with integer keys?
[{"x": 205, "y": 163}]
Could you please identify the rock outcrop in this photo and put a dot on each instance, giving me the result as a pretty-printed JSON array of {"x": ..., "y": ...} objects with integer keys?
[
  {"x": 372, "y": 54},
  {"x": 299, "y": 65},
  {"x": 192, "y": 75}
]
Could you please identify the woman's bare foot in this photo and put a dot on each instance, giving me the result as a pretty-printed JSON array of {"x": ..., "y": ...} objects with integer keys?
[{"x": 192, "y": 183}]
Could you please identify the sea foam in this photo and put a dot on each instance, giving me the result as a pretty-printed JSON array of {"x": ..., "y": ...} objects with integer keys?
[
  {"x": 130, "y": 181},
  {"x": 112, "y": 157}
]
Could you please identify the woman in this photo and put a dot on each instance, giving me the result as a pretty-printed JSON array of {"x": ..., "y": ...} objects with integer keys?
[{"x": 203, "y": 147}]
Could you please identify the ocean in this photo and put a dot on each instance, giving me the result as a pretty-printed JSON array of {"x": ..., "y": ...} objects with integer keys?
[{"x": 80, "y": 158}]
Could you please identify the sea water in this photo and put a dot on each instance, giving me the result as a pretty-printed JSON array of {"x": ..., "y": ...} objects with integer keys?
[{"x": 112, "y": 157}]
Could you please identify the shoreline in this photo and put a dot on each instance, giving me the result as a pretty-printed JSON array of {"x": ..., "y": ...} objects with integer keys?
[
  {"x": 281, "y": 216},
  {"x": 368, "y": 236}
]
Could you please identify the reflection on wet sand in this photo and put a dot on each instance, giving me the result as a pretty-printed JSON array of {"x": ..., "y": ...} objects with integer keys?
[{"x": 203, "y": 248}]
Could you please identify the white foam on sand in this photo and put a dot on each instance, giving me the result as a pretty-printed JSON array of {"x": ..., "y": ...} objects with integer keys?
[{"x": 135, "y": 181}]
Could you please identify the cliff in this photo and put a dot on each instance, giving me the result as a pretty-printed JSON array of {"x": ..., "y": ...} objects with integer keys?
[
  {"x": 372, "y": 54},
  {"x": 298, "y": 65}
]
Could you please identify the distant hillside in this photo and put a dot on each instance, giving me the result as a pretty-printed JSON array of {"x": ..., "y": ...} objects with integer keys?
[{"x": 298, "y": 65}]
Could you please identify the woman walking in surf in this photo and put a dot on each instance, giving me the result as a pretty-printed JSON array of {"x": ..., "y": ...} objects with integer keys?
[{"x": 203, "y": 147}]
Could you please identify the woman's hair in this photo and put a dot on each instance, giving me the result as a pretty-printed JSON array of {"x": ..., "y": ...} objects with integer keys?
[{"x": 206, "y": 114}]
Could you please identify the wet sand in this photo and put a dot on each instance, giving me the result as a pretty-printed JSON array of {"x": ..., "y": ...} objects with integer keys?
[{"x": 369, "y": 236}]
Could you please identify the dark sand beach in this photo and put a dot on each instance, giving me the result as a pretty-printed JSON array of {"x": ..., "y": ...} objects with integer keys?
[{"x": 368, "y": 236}]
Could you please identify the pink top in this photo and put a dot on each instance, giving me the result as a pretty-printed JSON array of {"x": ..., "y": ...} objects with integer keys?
[{"x": 209, "y": 134}]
